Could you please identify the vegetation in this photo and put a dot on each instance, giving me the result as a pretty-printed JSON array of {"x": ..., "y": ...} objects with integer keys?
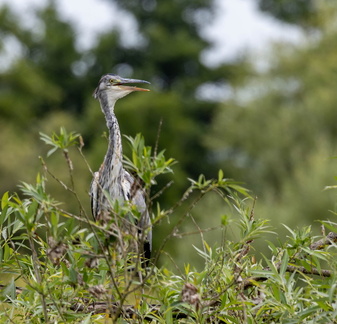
[
  {"x": 217, "y": 255},
  {"x": 277, "y": 131},
  {"x": 62, "y": 77},
  {"x": 66, "y": 275}
]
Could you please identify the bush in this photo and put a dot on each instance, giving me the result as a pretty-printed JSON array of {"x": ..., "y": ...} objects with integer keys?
[{"x": 61, "y": 267}]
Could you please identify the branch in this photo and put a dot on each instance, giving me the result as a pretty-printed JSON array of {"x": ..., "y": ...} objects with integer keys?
[
  {"x": 126, "y": 311},
  {"x": 325, "y": 241},
  {"x": 312, "y": 271},
  {"x": 249, "y": 282},
  {"x": 129, "y": 311},
  {"x": 319, "y": 245}
]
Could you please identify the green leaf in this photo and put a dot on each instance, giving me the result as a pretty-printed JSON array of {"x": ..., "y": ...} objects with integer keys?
[
  {"x": 62, "y": 141},
  {"x": 87, "y": 320},
  {"x": 4, "y": 200},
  {"x": 284, "y": 263},
  {"x": 220, "y": 175}
]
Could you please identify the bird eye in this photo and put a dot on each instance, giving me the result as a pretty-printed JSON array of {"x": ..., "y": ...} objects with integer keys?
[{"x": 112, "y": 81}]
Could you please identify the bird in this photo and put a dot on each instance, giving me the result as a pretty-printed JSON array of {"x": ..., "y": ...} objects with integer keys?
[{"x": 112, "y": 183}]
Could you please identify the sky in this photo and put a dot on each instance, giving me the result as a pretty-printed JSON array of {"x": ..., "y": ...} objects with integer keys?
[{"x": 238, "y": 26}]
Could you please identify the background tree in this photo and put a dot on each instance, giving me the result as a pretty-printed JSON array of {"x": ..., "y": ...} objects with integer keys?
[
  {"x": 167, "y": 53},
  {"x": 297, "y": 12},
  {"x": 39, "y": 91},
  {"x": 284, "y": 145},
  {"x": 50, "y": 84},
  {"x": 276, "y": 133}
]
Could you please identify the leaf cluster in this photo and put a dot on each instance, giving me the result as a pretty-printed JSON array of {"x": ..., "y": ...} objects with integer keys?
[{"x": 59, "y": 267}]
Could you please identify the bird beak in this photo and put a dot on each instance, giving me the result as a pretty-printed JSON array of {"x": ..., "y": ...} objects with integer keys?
[{"x": 123, "y": 84}]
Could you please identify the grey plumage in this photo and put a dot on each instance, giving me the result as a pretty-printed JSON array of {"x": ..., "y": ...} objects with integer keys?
[{"x": 112, "y": 182}]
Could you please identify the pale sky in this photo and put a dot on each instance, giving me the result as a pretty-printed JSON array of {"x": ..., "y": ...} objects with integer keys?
[{"x": 238, "y": 26}]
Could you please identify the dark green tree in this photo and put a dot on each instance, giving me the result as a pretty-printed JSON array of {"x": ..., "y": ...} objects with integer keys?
[
  {"x": 299, "y": 12},
  {"x": 40, "y": 90}
]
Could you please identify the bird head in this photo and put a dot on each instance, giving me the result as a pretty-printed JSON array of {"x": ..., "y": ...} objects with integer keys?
[{"x": 116, "y": 87}]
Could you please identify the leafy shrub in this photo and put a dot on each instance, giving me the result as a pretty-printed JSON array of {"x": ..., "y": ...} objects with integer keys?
[{"x": 59, "y": 267}]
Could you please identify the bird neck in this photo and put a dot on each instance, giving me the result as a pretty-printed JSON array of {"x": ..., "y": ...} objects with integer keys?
[
  {"x": 113, "y": 157},
  {"x": 115, "y": 141}
]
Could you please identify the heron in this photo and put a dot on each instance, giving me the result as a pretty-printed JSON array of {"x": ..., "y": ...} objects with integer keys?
[{"x": 112, "y": 183}]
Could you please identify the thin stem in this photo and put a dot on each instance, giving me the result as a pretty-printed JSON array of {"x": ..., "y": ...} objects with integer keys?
[{"x": 36, "y": 267}]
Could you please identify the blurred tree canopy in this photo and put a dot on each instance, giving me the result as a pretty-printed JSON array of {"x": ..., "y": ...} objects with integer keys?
[
  {"x": 285, "y": 139},
  {"x": 291, "y": 11},
  {"x": 276, "y": 133},
  {"x": 49, "y": 83}
]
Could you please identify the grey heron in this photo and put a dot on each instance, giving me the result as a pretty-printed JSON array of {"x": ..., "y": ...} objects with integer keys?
[{"x": 112, "y": 182}]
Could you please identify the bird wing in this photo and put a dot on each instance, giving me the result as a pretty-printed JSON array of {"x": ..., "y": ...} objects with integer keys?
[
  {"x": 94, "y": 195},
  {"x": 131, "y": 191},
  {"x": 134, "y": 192}
]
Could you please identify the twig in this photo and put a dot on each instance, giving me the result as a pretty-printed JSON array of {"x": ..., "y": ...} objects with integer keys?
[
  {"x": 157, "y": 139},
  {"x": 128, "y": 311},
  {"x": 36, "y": 267},
  {"x": 325, "y": 241},
  {"x": 313, "y": 271},
  {"x": 249, "y": 282},
  {"x": 318, "y": 245},
  {"x": 160, "y": 192}
]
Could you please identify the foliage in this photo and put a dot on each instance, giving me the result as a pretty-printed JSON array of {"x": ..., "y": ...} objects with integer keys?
[
  {"x": 50, "y": 74},
  {"x": 297, "y": 12},
  {"x": 146, "y": 165},
  {"x": 277, "y": 132},
  {"x": 68, "y": 274},
  {"x": 47, "y": 79}
]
